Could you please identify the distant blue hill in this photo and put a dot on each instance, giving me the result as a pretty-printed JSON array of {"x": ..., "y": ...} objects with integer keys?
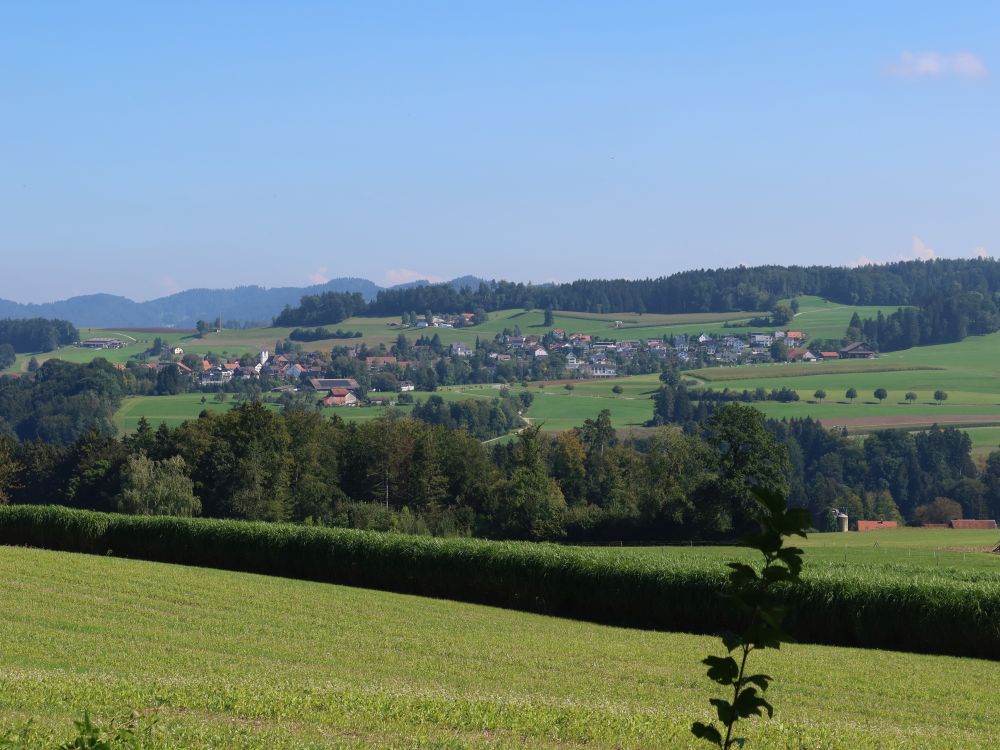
[{"x": 245, "y": 304}]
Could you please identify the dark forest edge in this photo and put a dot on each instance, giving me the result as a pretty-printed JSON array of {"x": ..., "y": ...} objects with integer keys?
[
  {"x": 687, "y": 479},
  {"x": 953, "y": 298},
  {"x": 891, "y": 612}
]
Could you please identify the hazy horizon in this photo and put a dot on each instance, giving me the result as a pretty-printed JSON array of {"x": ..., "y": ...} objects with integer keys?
[{"x": 154, "y": 148}]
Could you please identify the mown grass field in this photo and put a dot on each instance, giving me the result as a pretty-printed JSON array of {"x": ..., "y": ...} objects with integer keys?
[
  {"x": 965, "y": 370},
  {"x": 901, "y": 549},
  {"x": 234, "y": 660},
  {"x": 170, "y": 410},
  {"x": 822, "y": 319},
  {"x": 173, "y": 410}
]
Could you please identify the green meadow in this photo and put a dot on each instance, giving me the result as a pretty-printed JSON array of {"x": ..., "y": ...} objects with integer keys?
[
  {"x": 914, "y": 550},
  {"x": 223, "y": 659},
  {"x": 822, "y": 319},
  {"x": 827, "y": 316},
  {"x": 172, "y": 410},
  {"x": 966, "y": 371}
]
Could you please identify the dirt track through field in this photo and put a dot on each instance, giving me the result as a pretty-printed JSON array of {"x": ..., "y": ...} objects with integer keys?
[{"x": 908, "y": 420}]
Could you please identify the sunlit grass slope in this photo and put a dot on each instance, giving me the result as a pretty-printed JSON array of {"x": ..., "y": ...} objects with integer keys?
[
  {"x": 914, "y": 551},
  {"x": 242, "y": 661}
]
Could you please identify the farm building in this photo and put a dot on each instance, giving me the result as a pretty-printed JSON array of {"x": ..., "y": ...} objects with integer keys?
[
  {"x": 801, "y": 355},
  {"x": 326, "y": 384},
  {"x": 340, "y": 397},
  {"x": 857, "y": 350},
  {"x": 100, "y": 343},
  {"x": 970, "y": 523}
]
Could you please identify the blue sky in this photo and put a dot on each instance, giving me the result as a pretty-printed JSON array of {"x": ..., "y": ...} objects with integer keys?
[{"x": 151, "y": 147}]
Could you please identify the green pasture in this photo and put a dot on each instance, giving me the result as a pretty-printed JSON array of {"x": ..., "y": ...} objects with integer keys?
[
  {"x": 822, "y": 319},
  {"x": 170, "y": 410},
  {"x": 965, "y": 370},
  {"x": 222, "y": 659},
  {"x": 902, "y": 550},
  {"x": 558, "y": 409},
  {"x": 137, "y": 343},
  {"x": 984, "y": 439}
]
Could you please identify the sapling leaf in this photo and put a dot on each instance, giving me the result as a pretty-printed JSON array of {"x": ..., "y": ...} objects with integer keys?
[
  {"x": 706, "y": 732},
  {"x": 722, "y": 669},
  {"x": 724, "y": 709},
  {"x": 732, "y": 641},
  {"x": 760, "y": 680},
  {"x": 751, "y": 594},
  {"x": 749, "y": 703}
]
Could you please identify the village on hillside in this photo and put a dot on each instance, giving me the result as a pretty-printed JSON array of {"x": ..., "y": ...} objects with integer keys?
[{"x": 353, "y": 375}]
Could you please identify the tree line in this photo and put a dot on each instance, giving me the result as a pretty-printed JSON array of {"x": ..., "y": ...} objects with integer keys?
[
  {"x": 430, "y": 477},
  {"x": 919, "y": 283},
  {"x": 948, "y": 317},
  {"x": 37, "y": 334}
]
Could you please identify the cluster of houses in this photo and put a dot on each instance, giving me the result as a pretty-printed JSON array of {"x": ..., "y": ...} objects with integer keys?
[
  {"x": 446, "y": 321},
  {"x": 555, "y": 354},
  {"x": 584, "y": 355},
  {"x": 758, "y": 347},
  {"x": 596, "y": 357}
]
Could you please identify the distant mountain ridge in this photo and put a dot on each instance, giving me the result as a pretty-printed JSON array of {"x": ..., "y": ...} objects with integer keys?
[{"x": 182, "y": 310}]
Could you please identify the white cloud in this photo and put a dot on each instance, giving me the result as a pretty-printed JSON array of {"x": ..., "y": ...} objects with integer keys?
[
  {"x": 938, "y": 65},
  {"x": 918, "y": 251},
  {"x": 319, "y": 277},
  {"x": 395, "y": 276}
]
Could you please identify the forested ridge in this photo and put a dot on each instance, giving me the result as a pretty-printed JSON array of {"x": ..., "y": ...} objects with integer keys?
[
  {"x": 585, "y": 484},
  {"x": 708, "y": 290},
  {"x": 37, "y": 334},
  {"x": 945, "y": 300}
]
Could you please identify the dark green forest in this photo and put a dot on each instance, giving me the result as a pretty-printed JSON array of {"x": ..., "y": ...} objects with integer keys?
[
  {"x": 687, "y": 481},
  {"x": 37, "y": 334},
  {"x": 952, "y": 298}
]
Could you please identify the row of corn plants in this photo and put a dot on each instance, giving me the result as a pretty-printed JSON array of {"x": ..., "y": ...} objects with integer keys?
[{"x": 868, "y": 607}]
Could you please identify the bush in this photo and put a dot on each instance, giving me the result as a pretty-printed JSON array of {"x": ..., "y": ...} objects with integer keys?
[
  {"x": 853, "y": 607},
  {"x": 941, "y": 510}
]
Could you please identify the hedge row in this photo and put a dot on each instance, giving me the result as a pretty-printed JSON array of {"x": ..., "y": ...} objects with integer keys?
[{"x": 837, "y": 608}]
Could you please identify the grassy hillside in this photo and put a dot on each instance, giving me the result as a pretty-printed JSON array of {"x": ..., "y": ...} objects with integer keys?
[
  {"x": 172, "y": 410},
  {"x": 385, "y": 330},
  {"x": 241, "y": 661},
  {"x": 823, "y": 319},
  {"x": 826, "y": 316},
  {"x": 966, "y": 370},
  {"x": 909, "y": 550}
]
